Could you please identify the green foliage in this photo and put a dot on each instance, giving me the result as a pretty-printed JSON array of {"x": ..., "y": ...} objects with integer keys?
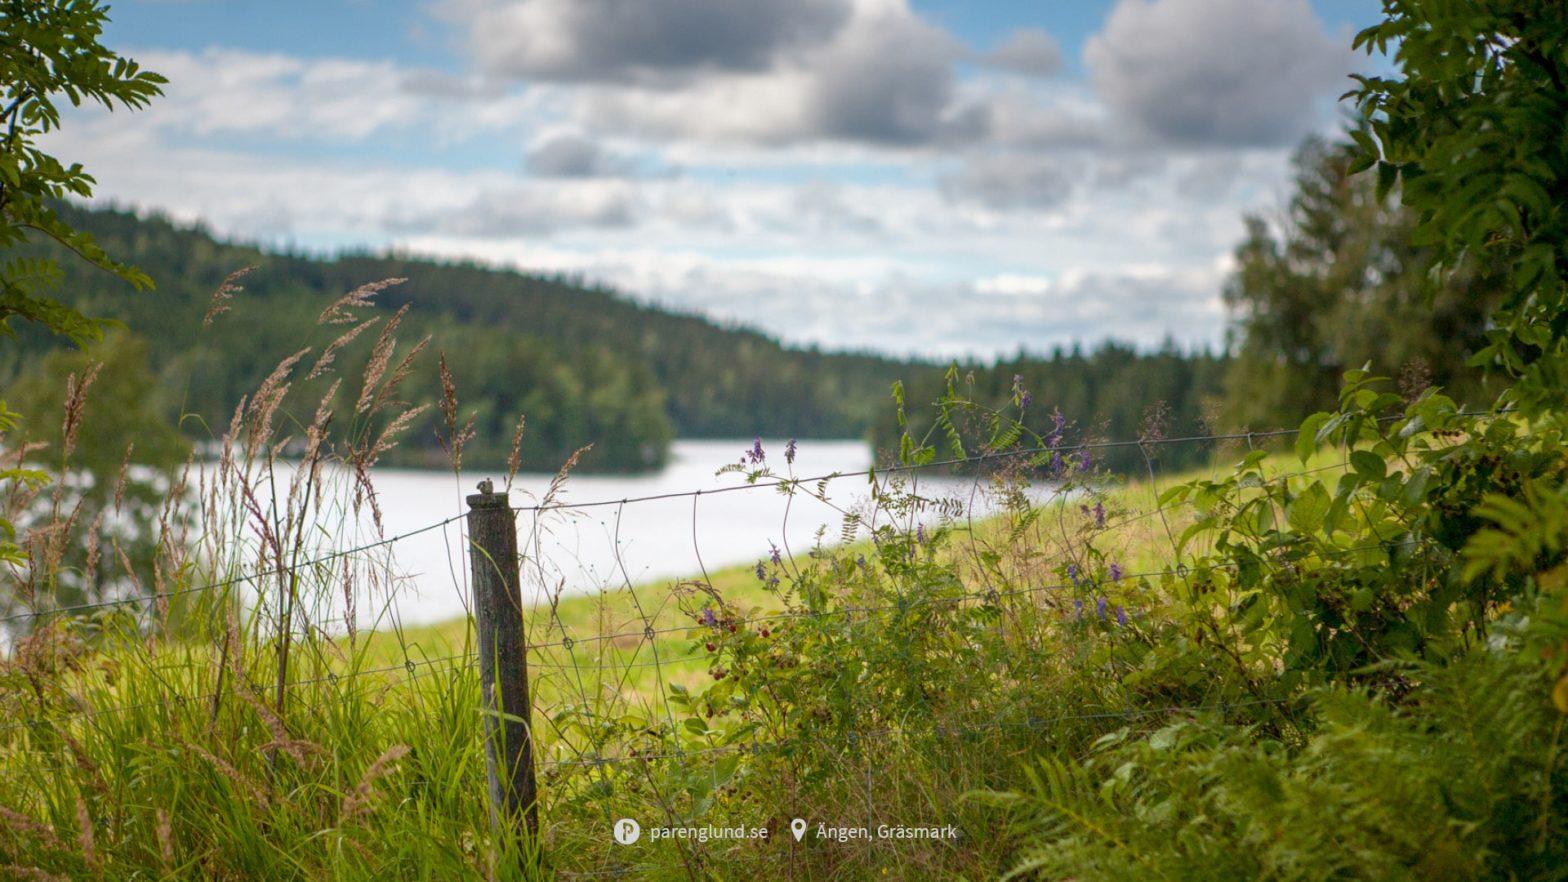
[
  {"x": 1470, "y": 126},
  {"x": 1467, "y": 783},
  {"x": 1113, "y": 392},
  {"x": 50, "y": 50},
  {"x": 95, "y": 421},
  {"x": 1340, "y": 282}
]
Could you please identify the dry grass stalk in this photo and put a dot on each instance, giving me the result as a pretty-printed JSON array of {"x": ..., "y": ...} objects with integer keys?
[
  {"x": 16, "y": 822},
  {"x": 89, "y": 769},
  {"x": 165, "y": 834},
  {"x": 456, "y": 436},
  {"x": 84, "y": 824},
  {"x": 75, "y": 405},
  {"x": 559, "y": 481},
  {"x": 380, "y": 359},
  {"x": 341, "y": 311},
  {"x": 358, "y": 801},
  {"x": 405, "y": 366},
  {"x": 266, "y": 401},
  {"x": 330, "y": 354},
  {"x": 388, "y": 437},
  {"x": 349, "y": 611},
  {"x": 514, "y": 458},
  {"x": 302, "y": 750},
  {"x": 221, "y": 297},
  {"x": 19, "y": 872},
  {"x": 240, "y": 780},
  {"x": 119, "y": 481}
]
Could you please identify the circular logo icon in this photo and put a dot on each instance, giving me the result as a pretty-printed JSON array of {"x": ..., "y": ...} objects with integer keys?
[{"x": 627, "y": 831}]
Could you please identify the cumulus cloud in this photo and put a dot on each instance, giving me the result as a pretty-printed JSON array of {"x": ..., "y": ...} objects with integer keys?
[
  {"x": 524, "y": 212},
  {"x": 1008, "y": 182},
  {"x": 569, "y": 154},
  {"x": 640, "y": 40},
  {"x": 226, "y": 92},
  {"x": 880, "y": 75},
  {"x": 1029, "y": 51},
  {"x": 1221, "y": 72},
  {"x": 889, "y": 79}
]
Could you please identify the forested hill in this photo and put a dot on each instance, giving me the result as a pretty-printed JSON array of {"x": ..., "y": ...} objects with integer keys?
[{"x": 584, "y": 364}]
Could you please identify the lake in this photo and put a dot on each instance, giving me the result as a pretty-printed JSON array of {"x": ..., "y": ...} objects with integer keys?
[
  {"x": 574, "y": 551},
  {"x": 596, "y": 543}
]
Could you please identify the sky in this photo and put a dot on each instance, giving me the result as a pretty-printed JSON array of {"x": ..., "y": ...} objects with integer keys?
[{"x": 934, "y": 178}]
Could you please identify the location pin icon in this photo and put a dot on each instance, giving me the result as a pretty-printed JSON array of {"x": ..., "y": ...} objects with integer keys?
[{"x": 798, "y": 827}]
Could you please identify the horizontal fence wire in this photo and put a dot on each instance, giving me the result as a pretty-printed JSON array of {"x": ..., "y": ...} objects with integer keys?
[
  {"x": 568, "y": 643},
  {"x": 685, "y": 494},
  {"x": 904, "y": 467},
  {"x": 231, "y": 582},
  {"x": 648, "y": 632}
]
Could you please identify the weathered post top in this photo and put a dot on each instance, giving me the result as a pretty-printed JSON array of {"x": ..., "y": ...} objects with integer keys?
[{"x": 487, "y": 497}]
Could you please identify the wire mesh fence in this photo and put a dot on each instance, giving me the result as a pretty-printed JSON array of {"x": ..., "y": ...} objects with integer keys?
[{"x": 622, "y": 665}]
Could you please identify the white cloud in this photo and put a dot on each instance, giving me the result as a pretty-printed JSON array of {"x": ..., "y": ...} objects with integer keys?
[
  {"x": 571, "y": 154},
  {"x": 1030, "y": 51},
  {"x": 885, "y": 76},
  {"x": 838, "y": 189},
  {"x": 1008, "y": 182},
  {"x": 1221, "y": 72},
  {"x": 640, "y": 40},
  {"x": 219, "y": 92}
]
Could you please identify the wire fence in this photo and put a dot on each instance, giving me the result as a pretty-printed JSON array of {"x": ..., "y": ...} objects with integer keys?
[{"x": 632, "y": 635}]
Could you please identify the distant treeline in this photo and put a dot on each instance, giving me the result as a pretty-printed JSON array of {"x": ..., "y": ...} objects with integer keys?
[{"x": 584, "y": 364}]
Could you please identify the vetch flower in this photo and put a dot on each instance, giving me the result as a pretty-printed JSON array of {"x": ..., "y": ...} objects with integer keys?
[
  {"x": 1121, "y": 616},
  {"x": 1116, "y": 572},
  {"x": 1099, "y": 515},
  {"x": 762, "y": 574},
  {"x": 755, "y": 455},
  {"x": 708, "y": 618},
  {"x": 773, "y": 554},
  {"x": 1099, "y": 608},
  {"x": 789, "y": 452},
  {"x": 1072, "y": 572}
]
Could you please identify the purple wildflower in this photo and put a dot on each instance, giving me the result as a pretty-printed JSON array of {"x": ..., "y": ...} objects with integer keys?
[
  {"x": 1116, "y": 572},
  {"x": 789, "y": 452},
  {"x": 1057, "y": 465},
  {"x": 1121, "y": 616},
  {"x": 1057, "y": 422},
  {"x": 1078, "y": 608},
  {"x": 1085, "y": 461},
  {"x": 755, "y": 454},
  {"x": 773, "y": 554},
  {"x": 762, "y": 573},
  {"x": 1072, "y": 572},
  {"x": 1099, "y": 608},
  {"x": 1099, "y": 515},
  {"x": 920, "y": 533},
  {"x": 708, "y": 618}
]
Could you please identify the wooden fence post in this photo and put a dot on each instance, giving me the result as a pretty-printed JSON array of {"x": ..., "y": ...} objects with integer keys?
[{"x": 503, "y": 660}]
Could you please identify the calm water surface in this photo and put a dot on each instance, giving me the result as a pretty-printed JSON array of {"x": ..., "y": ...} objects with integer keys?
[{"x": 604, "y": 547}]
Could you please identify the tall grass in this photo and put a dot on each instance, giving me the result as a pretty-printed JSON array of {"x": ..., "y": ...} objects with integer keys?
[{"x": 260, "y": 713}]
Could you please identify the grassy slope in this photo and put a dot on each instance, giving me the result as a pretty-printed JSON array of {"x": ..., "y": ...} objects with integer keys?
[
  {"x": 1141, "y": 544},
  {"x": 377, "y": 775}
]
